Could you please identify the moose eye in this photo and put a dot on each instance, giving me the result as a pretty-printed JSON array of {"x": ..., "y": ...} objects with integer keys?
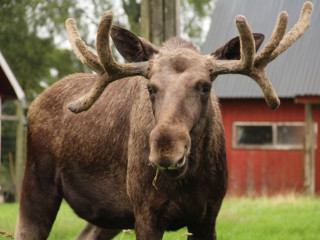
[
  {"x": 150, "y": 89},
  {"x": 203, "y": 87},
  {"x": 206, "y": 88}
]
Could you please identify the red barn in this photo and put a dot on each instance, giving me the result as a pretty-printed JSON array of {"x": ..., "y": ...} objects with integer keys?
[{"x": 271, "y": 152}]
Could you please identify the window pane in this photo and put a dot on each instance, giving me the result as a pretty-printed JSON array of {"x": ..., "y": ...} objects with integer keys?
[
  {"x": 257, "y": 135},
  {"x": 290, "y": 135}
]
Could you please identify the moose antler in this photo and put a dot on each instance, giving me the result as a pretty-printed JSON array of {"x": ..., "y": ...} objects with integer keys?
[
  {"x": 104, "y": 64},
  {"x": 254, "y": 66}
]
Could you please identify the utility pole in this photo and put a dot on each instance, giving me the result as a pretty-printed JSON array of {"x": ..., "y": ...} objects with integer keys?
[{"x": 159, "y": 20}]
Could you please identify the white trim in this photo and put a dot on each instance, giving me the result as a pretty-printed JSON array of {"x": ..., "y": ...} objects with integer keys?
[
  {"x": 12, "y": 79},
  {"x": 273, "y": 145}
]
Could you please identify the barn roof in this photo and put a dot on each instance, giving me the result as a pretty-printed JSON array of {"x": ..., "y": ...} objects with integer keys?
[
  {"x": 294, "y": 73},
  {"x": 9, "y": 86}
]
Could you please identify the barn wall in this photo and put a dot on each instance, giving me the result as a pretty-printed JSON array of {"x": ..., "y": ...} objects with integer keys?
[{"x": 265, "y": 172}]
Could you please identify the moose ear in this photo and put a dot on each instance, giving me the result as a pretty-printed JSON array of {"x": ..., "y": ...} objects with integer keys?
[
  {"x": 231, "y": 50},
  {"x": 132, "y": 47}
]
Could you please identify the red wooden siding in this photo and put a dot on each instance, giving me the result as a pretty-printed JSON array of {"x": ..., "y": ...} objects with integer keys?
[{"x": 265, "y": 172}]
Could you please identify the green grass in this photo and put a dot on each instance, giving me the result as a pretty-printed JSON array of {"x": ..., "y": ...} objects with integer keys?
[
  {"x": 277, "y": 218},
  {"x": 66, "y": 226}
]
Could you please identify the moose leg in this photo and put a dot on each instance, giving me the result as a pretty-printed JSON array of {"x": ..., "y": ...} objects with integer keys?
[
  {"x": 206, "y": 229},
  {"x": 39, "y": 204},
  {"x": 91, "y": 232},
  {"x": 203, "y": 232},
  {"x": 145, "y": 227}
]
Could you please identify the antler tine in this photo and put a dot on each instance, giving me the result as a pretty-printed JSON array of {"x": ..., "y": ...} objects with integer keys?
[
  {"x": 296, "y": 32},
  {"x": 102, "y": 44},
  {"x": 115, "y": 70},
  {"x": 109, "y": 70},
  {"x": 260, "y": 77},
  {"x": 273, "y": 43},
  {"x": 247, "y": 44},
  {"x": 84, "y": 53},
  {"x": 247, "y": 48}
]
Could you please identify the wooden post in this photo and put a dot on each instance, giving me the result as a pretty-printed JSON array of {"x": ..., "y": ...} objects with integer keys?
[
  {"x": 159, "y": 20},
  {"x": 0, "y": 126},
  {"x": 309, "y": 156},
  {"x": 20, "y": 163},
  {"x": 145, "y": 19},
  {"x": 171, "y": 19}
]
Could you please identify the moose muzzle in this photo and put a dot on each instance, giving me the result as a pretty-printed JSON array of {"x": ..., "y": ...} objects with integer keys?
[{"x": 169, "y": 147}]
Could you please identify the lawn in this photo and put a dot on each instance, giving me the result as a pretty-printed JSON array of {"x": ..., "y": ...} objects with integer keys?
[{"x": 277, "y": 218}]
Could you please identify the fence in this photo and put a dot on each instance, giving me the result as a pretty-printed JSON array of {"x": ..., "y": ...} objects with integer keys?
[{"x": 12, "y": 142}]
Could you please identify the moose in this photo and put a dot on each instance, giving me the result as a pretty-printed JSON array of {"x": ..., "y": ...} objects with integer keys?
[{"x": 140, "y": 144}]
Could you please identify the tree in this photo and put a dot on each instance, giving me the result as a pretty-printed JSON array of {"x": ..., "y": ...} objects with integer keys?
[
  {"x": 30, "y": 51},
  {"x": 195, "y": 19}
]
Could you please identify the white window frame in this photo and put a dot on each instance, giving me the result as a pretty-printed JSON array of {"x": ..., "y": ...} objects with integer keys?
[{"x": 274, "y": 145}]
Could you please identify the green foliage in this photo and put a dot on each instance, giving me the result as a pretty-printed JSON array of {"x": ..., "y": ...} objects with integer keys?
[
  {"x": 27, "y": 33},
  {"x": 195, "y": 16},
  {"x": 132, "y": 9},
  {"x": 201, "y": 8}
]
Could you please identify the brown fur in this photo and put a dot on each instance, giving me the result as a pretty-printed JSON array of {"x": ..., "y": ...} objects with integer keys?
[{"x": 102, "y": 161}]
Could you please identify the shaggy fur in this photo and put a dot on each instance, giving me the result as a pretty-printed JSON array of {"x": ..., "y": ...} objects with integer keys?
[
  {"x": 149, "y": 152},
  {"x": 98, "y": 160}
]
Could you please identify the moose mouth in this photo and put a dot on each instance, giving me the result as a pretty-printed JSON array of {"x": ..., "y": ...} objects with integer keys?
[{"x": 173, "y": 170}]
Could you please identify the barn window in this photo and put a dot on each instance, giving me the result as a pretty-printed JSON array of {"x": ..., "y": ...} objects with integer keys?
[
  {"x": 290, "y": 135},
  {"x": 269, "y": 135},
  {"x": 257, "y": 135}
]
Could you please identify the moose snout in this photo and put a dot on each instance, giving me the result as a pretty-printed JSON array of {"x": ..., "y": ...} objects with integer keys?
[
  {"x": 167, "y": 164},
  {"x": 169, "y": 148}
]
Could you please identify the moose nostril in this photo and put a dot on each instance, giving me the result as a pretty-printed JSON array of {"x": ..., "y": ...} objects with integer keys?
[
  {"x": 185, "y": 148},
  {"x": 180, "y": 163}
]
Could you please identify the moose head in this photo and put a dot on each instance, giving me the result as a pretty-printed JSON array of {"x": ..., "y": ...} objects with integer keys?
[{"x": 180, "y": 78}]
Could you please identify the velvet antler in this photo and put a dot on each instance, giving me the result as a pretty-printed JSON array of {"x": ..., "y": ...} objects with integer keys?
[
  {"x": 254, "y": 66},
  {"x": 104, "y": 64}
]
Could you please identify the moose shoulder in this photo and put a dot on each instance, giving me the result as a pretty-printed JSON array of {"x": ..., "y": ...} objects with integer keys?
[{"x": 147, "y": 148}]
